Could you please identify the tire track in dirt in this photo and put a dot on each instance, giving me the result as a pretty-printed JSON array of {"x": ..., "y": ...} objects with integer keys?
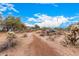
[{"x": 40, "y": 48}]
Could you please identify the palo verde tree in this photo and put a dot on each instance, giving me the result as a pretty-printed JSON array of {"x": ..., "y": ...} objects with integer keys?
[
  {"x": 14, "y": 23},
  {"x": 10, "y": 22}
]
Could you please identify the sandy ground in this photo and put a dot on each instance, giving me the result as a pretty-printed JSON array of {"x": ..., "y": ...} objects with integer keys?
[{"x": 35, "y": 45}]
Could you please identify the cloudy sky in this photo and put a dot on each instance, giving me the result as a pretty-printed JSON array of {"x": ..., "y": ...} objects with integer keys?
[{"x": 43, "y": 14}]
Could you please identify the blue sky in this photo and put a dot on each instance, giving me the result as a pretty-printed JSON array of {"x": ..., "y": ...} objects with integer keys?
[
  {"x": 65, "y": 9},
  {"x": 43, "y": 14}
]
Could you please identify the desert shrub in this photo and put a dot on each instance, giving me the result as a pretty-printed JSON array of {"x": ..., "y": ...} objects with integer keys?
[
  {"x": 11, "y": 38},
  {"x": 71, "y": 38},
  {"x": 10, "y": 42},
  {"x": 11, "y": 35}
]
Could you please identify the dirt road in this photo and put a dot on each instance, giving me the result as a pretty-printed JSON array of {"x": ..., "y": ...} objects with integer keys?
[
  {"x": 41, "y": 48},
  {"x": 34, "y": 45},
  {"x": 31, "y": 45}
]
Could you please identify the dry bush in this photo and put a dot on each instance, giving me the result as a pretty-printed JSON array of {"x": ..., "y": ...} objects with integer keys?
[
  {"x": 71, "y": 38},
  {"x": 11, "y": 38},
  {"x": 10, "y": 42},
  {"x": 11, "y": 35}
]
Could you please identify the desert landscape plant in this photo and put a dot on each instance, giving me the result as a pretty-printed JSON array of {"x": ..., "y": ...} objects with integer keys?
[
  {"x": 10, "y": 41},
  {"x": 72, "y": 36}
]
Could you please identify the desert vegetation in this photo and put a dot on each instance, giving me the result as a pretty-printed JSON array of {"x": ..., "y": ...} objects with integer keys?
[
  {"x": 72, "y": 36},
  {"x": 24, "y": 40},
  {"x": 10, "y": 41}
]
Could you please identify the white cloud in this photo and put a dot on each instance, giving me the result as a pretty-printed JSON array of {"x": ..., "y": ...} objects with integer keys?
[
  {"x": 30, "y": 25},
  {"x": 7, "y": 6},
  {"x": 54, "y": 22},
  {"x": 11, "y": 7},
  {"x": 73, "y": 17},
  {"x": 1, "y": 13},
  {"x": 42, "y": 17},
  {"x": 48, "y": 21},
  {"x": 55, "y": 5},
  {"x": 14, "y": 10},
  {"x": 32, "y": 19},
  {"x": 3, "y": 8}
]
